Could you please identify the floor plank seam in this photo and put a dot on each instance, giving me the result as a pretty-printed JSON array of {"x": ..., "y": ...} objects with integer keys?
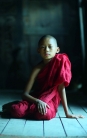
[
  {"x": 81, "y": 125},
  {"x": 83, "y": 109},
  {"x": 63, "y": 126},
  {"x": 5, "y": 126},
  {"x": 70, "y": 109}
]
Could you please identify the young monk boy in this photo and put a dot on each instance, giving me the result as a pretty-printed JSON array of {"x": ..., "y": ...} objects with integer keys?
[{"x": 52, "y": 75}]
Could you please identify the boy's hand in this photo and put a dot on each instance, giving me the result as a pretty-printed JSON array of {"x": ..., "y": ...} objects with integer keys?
[
  {"x": 42, "y": 107},
  {"x": 74, "y": 116}
]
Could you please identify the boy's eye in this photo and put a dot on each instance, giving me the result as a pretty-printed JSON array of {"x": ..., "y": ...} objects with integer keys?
[
  {"x": 42, "y": 46},
  {"x": 50, "y": 47}
]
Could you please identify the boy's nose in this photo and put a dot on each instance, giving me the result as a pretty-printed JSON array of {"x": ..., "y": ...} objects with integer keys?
[{"x": 47, "y": 49}]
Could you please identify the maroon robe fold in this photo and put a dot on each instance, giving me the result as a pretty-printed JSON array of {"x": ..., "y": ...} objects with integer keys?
[{"x": 57, "y": 71}]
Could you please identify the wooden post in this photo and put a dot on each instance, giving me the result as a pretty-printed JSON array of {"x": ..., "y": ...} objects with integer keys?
[{"x": 83, "y": 30}]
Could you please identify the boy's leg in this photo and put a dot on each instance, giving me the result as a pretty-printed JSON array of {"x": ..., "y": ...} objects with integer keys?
[
  {"x": 19, "y": 110},
  {"x": 23, "y": 109}
]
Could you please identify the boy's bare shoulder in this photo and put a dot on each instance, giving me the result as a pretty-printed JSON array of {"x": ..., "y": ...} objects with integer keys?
[{"x": 38, "y": 67}]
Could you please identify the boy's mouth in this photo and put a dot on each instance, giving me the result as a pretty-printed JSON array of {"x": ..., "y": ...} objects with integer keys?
[{"x": 47, "y": 54}]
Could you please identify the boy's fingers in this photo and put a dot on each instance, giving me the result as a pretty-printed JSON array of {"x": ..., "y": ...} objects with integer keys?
[
  {"x": 42, "y": 108},
  {"x": 39, "y": 109},
  {"x": 45, "y": 110},
  {"x": 81, "y": 116},
  {"x": 48, "y": 106}
]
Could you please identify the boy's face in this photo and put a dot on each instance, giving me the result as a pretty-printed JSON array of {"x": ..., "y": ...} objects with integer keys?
[{"x": 48, "y": 48}]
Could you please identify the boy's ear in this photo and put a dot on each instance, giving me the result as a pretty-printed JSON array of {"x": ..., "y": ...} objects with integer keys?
[{"x": 58, "y": 50}]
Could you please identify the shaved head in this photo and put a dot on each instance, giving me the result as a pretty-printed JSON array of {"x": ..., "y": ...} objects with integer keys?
[{"x": 47, "y": 37}]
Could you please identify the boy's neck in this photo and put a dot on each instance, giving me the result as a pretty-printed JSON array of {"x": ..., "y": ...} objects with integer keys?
[{"x": 46, "y": 61}]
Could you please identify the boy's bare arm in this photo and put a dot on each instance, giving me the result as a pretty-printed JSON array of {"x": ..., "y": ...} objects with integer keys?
[
  {"x": 26, "y": 95},
  {"x": 62, "y": 92}
]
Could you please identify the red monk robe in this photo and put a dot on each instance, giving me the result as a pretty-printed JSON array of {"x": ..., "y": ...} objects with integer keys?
[{"x": 57, "y": 71}]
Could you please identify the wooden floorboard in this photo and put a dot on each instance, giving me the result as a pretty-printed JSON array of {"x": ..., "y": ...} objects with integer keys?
[
  {"x": 83, "y": 123},
  {"x": 14, "y": 127},
  {"x": 53, "y": 128},
  {"x": 3, "y": 124},
  {"x": 84, "y": 108},
  {"x": 33, "y": 128},
  {"x": 76, "y": 109},
  {"x": 60, "y": 126},
  {"x": 73, "y": 128}
]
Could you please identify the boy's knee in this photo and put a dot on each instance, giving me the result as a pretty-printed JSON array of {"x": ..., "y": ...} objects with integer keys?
[
  {"x": 19, "y": 110},
  {"x": 47, "y": 116},
  {"x": 16, "y": 111}
]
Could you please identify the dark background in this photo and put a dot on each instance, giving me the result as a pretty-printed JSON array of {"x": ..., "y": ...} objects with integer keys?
[{"x": 23, "y": 22}]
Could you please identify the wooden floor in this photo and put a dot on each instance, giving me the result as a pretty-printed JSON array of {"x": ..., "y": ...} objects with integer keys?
[{"x": 60, "y": 126}]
